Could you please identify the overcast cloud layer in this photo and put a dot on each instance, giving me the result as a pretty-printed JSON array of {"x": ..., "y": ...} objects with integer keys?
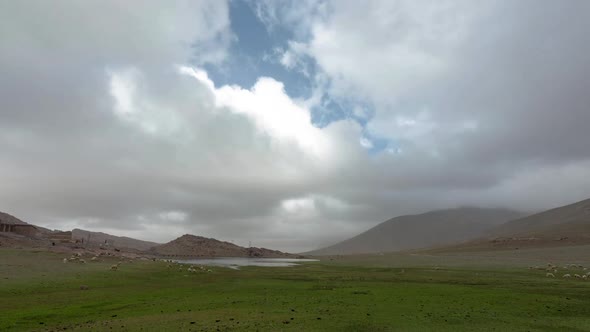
[{"x": 109, "y": 120}]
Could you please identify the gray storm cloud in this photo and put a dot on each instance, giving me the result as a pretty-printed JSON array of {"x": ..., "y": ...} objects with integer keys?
[{"x": 107, "y": 122}]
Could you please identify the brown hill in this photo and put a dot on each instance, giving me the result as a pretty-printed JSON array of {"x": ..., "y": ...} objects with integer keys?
[
  {"x": 120, "y": 242},
  {"x": 422, "y": 230},
  {"x": 198, "y": 246},
  {"x": 566, "y": 221},
  {"x": 6, "y": 218},
  {"x": 568, "y": 225},
  {"x": 17, "y": 233}
]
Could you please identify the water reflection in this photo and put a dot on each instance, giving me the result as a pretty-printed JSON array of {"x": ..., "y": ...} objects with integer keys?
[{"x": 237, "y": 262}]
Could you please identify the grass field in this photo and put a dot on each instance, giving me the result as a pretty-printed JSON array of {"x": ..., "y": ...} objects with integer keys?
[{"x": 39, "y": 292}]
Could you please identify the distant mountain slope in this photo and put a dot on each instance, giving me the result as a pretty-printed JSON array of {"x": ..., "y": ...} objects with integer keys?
[
  {"x": 198, "y": 246},
  {"x": 569, "y": 220},
  {"x": 568, "y": 225},
  {"x": 422, "y": 230},
  {"x": 112, "y": 240}
]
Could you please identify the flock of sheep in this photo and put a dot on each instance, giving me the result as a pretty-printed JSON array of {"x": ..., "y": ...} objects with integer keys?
[
  {"x": 552, "y": 270},
  {"x": 77, "y": 258},
  {"x": 192, "y": 268}
]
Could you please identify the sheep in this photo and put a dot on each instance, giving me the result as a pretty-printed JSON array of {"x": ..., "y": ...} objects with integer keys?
[
  {"x": 82, "y": 261},
  {"x": 584, "y": 276},
  {"x": 84, "y": 287},
  {"x": 114, "y": 267},
  {"x": 65, "y": 260},
  {"x": 577, "y": 276},
  {"x": 550, "y": 275},
  {"x": 95, "y": 258},
  {"x": 567, "y": 275}
]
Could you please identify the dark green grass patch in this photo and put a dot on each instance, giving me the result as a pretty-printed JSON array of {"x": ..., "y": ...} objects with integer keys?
[{"x": 39, "y": 292}]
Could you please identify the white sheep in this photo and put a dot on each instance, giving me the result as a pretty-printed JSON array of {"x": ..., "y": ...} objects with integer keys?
[
  {"x": 577, "y": 276},
  {"x": 95, "y": 258},
  {"x": 114, "y": 267},
  {"x": 567, "y": 275},
  {"x": 584, "y": 276},
  {"x": 550, "y": 275},
  {"x": 65, "y": 260},
  {"x": 82, "y": 261}
]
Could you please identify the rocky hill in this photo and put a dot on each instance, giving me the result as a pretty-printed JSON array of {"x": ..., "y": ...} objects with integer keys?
[
  {"x": 422, "y": 230},
  {"x": 98, "y": 238},
  {"x": 198, "y": 246},
  {"x": 10, "y": 219}
]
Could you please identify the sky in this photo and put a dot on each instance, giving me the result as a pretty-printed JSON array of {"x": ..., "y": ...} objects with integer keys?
[{"x": 288, "y": 124}]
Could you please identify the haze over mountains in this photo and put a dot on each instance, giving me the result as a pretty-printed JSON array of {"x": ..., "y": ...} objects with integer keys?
[
  {"x": 452, "y": 229},
  {"x": 423, "y": 230},
  {"x": 567, "y": 225},
  {"x": 566, "y": 221}
]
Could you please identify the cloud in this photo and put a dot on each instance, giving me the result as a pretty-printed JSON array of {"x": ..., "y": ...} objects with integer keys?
[{"x": 118, "y": 127}]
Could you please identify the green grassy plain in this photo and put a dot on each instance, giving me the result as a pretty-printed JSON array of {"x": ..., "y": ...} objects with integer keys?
[{"x": 40, "y": 293}]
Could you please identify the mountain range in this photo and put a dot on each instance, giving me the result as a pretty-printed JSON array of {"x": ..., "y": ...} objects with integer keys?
[
  {"x": 422, "y": 230},
  {"x": 452, "y": 229}
]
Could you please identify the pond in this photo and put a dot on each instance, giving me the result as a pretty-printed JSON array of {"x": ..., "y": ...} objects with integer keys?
[{"x": 237, "y": 262}]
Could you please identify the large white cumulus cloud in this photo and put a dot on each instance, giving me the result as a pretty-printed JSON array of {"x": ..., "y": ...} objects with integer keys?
[
  {"x": 107, "y": 125},
  {"x": 492, "y": 90}
]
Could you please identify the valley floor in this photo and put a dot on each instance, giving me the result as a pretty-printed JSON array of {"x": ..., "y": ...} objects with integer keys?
[{"x": 396, "y": 292}]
